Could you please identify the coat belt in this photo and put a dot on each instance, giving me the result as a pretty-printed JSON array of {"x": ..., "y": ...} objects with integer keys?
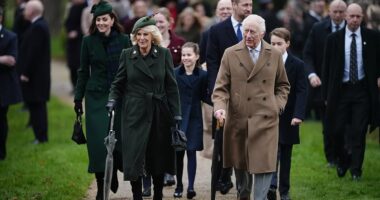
[{"x": 148, "y": 96}]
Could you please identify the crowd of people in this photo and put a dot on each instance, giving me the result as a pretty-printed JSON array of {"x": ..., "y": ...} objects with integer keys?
[{"x": 172, "y": 64}]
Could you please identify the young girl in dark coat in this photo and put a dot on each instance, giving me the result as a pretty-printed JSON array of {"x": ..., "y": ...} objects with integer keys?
[{"x": 192, "y": 86}]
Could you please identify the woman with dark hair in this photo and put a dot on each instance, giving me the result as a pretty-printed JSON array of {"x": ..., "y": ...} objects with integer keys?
[
  {"x": 146, "y": 86},
  {"x": 99, "y": 62},
  {"x": 189, "y": 25}
]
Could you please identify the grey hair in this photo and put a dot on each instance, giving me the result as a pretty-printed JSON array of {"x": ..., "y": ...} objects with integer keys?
[
  {"x": 152, "y": 29},
  {"x": 256, "y": 19}
]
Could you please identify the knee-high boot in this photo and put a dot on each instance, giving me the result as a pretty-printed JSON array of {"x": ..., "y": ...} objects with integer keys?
[
  {"x": 137, "y": 189},
  {"x": 100, "y": 184},
  {"x": 158, "y": 183}
]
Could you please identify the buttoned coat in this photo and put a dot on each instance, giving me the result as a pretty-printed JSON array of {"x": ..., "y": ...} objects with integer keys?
[
  {"x": 253, "y": 96},
  {"x": 192, "y": 93},
  {"x": 147, "y": 88}
]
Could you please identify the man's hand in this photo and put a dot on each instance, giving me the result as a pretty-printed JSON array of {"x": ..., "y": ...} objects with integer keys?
[
  {"x": 9, "y": 61},
  {"x": 220, "y": 115},
  {"x": 315, "y": 81},
  {"x": 295, "y": 122},
  {"x": 24, "y": 78}
]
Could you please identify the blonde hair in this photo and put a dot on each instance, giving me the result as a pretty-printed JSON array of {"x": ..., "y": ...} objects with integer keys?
[{"x": 152, "y": 29}]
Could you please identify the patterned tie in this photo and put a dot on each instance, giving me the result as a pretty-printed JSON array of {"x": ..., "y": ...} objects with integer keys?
[
  {"x": 239, "y": 35},
  {"x": 353, "y": 61}
]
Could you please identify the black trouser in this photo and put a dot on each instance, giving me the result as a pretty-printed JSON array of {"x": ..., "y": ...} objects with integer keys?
[
  {"x": 284, "y": 158},
  {"x": 38, "y": 119},
  {"x": 353, "y": 111},
  {"x": 73, "y": 58},
  {"x": 3, "y": 131}
]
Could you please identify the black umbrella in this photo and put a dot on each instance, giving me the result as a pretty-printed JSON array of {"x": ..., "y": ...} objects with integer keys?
[
  {"x": 110, "y": 142},
  {"x": 216, "y": 157}
]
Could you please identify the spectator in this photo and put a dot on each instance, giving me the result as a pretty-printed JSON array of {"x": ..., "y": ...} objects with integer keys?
[
  {"x": 189, "y": 25},
  {"x": 99, "y": 62},
  {"x": 146, "y": 86},
  {"x": 10, "y": 91},
  {"x": 250, "y": 108},
  {"x": 140, "y": 9},
  {"x": 34, "y": 65}
]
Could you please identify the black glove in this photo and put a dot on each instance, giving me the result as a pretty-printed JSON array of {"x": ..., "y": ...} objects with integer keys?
[
  {"x": 78, "y": 107},
  {"x": 111, "y": 105}
]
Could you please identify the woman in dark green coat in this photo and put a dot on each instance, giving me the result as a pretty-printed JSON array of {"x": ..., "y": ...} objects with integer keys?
[
  {"x": 98, "y": 65},
  {"x": 146, "y": 85}
]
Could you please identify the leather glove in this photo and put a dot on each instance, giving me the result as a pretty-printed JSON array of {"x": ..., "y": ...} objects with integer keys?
[
  {"x": 78, "y": 108},
  {"x": 111, "y": 105}
]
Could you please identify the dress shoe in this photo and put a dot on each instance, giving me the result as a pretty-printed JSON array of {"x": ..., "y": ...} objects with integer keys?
[
  {"x": 356, "y": 178},
  {"x": 225, "y": 187},
  {"x": 341, "y": 171},
  {"x": 147, "y": 192},
  {"x": 191, "y": 194},
  {"x": 272, "y": 195},
  {"x": 178, "y": 193},
  {"x": 169, "y": 180},
  {"x": 285, "y": 197}
]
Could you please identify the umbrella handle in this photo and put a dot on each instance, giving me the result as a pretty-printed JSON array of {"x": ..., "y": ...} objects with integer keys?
[{"x": 219, "y": 124}]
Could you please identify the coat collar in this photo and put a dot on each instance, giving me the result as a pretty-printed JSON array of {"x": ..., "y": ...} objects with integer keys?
[
  {"x": 143, "y": 64},
  {"x": 182, "y": 76},
  {"x": 245, "y": 59}
]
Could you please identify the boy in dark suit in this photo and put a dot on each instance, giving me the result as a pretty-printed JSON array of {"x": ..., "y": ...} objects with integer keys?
[{"x": 293, "y": 114}]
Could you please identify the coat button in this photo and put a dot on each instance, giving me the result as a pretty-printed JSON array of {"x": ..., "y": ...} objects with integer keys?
[
  {"x": 264, "y": 98},
  {"x": 249, "y": 116},
  {"x": 249, "y": 98},
  {"x": 264, "y": 81},
  {"x": 265, "y": 116}
]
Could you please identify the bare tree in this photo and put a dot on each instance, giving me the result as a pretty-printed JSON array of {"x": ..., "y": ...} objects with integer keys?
[{"x": 54, "y": 10}]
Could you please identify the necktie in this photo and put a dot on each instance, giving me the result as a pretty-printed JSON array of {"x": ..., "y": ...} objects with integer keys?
[
  {"x": 252, "y": 52},
  {"x": 239, "y": 35},
  {"x": 336, "y": 27},
  {"x": 353, "y": 61}
]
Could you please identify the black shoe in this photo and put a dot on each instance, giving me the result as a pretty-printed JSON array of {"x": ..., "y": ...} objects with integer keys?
[
  {"x": 341, "y": 171},
  {"x": 178, "y": 193},
  {"x": 169, "y": 180},
  {"x": 191, "y": 194},
  {"x": 225, "y": 187},
  {"x": 147, "y": 192},
  {"x": 272, "y": 195},
  {"x": 285, "y": 197},
  {"x": 356, "y": 178}
]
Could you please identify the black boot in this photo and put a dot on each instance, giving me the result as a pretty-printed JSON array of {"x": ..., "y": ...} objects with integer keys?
[
  {"x": 158, "y": 185},
  {"x": 100, "y": 183},
  {"x": 137, "y": 189}
]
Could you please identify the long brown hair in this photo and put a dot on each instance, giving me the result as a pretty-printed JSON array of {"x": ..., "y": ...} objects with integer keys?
[{"x": 116, "y": 25}]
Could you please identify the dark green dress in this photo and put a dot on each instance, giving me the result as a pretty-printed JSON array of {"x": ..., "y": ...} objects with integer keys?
[
  {"x": 149, "y": 92},
  {"x": 99, "y": 62}
]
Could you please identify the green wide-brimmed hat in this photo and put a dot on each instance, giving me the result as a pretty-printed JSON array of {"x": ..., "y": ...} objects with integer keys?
[
  {"x": 142, "y": 22},
  {"x": 101, "y": 8}
]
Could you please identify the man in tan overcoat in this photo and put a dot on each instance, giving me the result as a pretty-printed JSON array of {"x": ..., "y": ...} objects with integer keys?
[{"x": 250, "y": 92}]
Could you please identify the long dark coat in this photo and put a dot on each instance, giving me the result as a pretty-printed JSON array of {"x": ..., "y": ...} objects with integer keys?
[
  {"x": 34, "y": 62},
  {"x": 333, "y": 67},
  {"x": 149, "y": 92},
  {"x": 191, "y": 93},
  {"x": 295, "y": 106},
  {"x": 253, "y": 96},
  {"x": 94, "y": 79},
  {"x": 10, "y": 91}
]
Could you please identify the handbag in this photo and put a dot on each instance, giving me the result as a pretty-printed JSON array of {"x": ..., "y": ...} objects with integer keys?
[
  {"x": 179, "y": 139},
  {"x": 78, "y": 135}
]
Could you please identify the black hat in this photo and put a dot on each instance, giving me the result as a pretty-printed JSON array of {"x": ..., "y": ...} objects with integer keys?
[
  {"x": 101, "y": 8},
  {"x": 142, "y": 22}
]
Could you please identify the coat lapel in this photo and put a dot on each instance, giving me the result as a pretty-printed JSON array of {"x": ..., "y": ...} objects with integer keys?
[
  {"x": 264, "y": 56},
  {"x": 230, "y": 31},
  {"x": 365, "y": 48},
  {"x": 183, "y": 79},
  {"x": 244, "y": 58},
  {"x": 139, "y": 63}
]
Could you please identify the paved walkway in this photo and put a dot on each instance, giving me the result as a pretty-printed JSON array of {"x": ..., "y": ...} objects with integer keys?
[{"x": 61, "y": 88}]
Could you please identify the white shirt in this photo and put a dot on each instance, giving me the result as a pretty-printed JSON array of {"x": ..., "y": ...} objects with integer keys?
[
  {"x": 35, "y": 18},
  {"x": 359, "y": 53},
  {"x": 255, "y": 53},
  {"x": 333, "y": 25},
  {"x": 235, "y": 24},
  {"x": 285, "y": 56},
  {"x": 315, "y": 15}
]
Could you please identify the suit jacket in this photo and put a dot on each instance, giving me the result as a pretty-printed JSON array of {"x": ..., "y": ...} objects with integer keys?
[
  {"x": 34, "y": 62},
  {"x": 296, "y": 104},
  {"x": 333, "y": 67},
  {"x": 10, "y": 91},
  {"x": 192, "y": 92},
  {"x": 221, "y": 36},
  {"x": 252, "y": 95}
]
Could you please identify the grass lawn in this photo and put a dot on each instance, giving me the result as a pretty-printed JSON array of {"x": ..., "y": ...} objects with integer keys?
[{"x": 56, "y": 170}]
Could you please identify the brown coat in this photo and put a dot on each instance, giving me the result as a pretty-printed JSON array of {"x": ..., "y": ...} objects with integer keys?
[{"x": 252, "y": 96}]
